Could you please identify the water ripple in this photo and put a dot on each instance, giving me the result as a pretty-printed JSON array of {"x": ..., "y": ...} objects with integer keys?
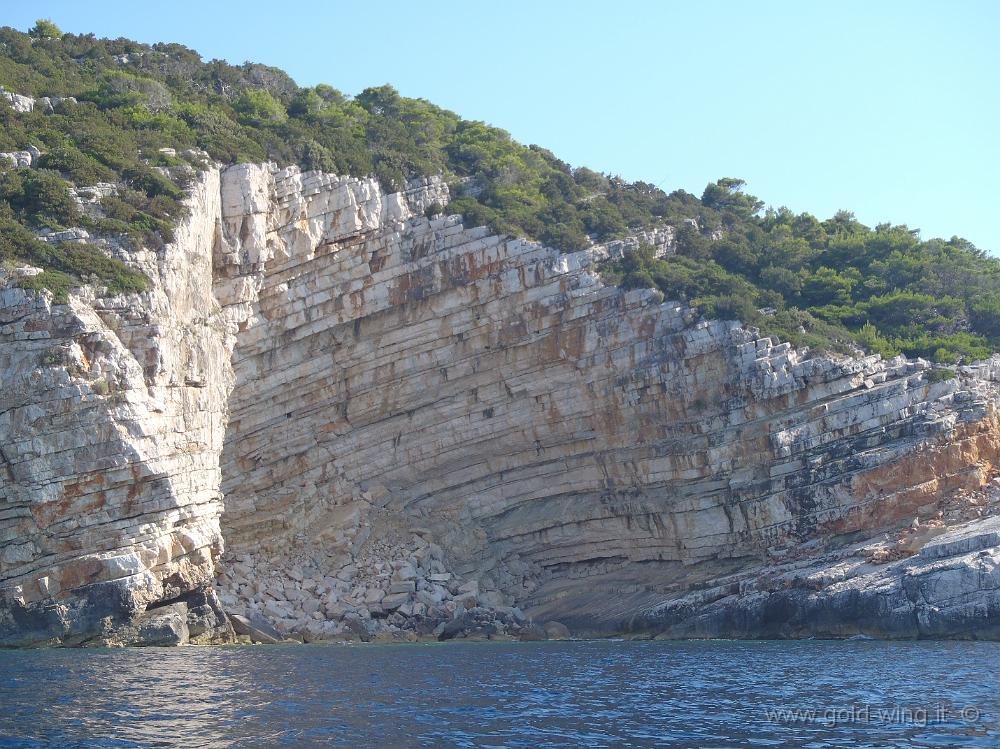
[{"x": 722, "y": 695}]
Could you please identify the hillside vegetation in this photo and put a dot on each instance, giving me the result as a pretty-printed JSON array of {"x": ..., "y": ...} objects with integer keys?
[{"x": 830, "y": 284}]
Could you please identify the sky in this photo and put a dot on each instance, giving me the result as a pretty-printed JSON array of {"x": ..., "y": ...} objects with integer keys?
[{"x": 889, "y": 109}]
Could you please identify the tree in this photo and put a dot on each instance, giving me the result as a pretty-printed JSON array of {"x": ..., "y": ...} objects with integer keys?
[
  {"x": 727, "y": 193},
  {"x": 783, "y": 280},
  {"x": 259, "y": 107},
  {"x": 736, "y": 255},
  {"x": 305, "y": 103},
  {"x": 381, "y": 100},
  {"x": 907, "y": 312},
  {"x": 984, "y": 314},
  {"x": 691, "y": 243},
  {"x": 826, "y": 286},
  {"x": 45, "y": 29}
]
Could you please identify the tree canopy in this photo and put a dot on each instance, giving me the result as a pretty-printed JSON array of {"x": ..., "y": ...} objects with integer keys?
[
  {"x": 45, "y": 29},
  {"x": 834, "y": 284}
]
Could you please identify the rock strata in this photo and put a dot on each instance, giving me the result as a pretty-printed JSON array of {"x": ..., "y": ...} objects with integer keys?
[
  {"x": 112, "y": 418},
  {"x": 418, "y": 429}
]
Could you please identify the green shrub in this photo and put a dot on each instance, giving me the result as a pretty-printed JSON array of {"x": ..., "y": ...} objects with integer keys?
[
  {"x": 39, "y": 196},
  {"x": 945, "y": 356},
  {"x": 66, "y": 265},
  {"x": 56, "y": 282},
  {"x": 259, "y": 107},
  {"x": 123, "y": 89},
  {"x": 638, "y": 279},
  {"x": 870, "y": 338},
  {"x": 940, "y": 374},
  {"x": 82, "y": 169},
  {"x": 729, "y": 307}
]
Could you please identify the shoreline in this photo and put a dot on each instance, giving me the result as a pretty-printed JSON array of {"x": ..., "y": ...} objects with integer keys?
[{"x": 617, "y": 638}]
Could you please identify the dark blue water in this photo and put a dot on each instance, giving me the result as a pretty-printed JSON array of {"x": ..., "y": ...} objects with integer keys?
[{"x": 571, "y": 694}]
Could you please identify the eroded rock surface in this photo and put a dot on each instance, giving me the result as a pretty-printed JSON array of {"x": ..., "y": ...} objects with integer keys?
[
  {"x": 421, "y": 429},
  {"x": 112, "y": 416}
]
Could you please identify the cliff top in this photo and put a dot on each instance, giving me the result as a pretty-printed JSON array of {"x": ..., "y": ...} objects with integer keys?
[{"x": 103, "y": 136}]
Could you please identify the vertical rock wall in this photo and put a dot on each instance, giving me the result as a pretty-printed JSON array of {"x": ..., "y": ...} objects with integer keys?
[
  {"x": 113, "y": 413},
  {"x": 422, "y": 428}
]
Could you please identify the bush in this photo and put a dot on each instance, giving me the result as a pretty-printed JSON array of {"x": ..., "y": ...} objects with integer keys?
[
  {"x": 566, "y": 237},
  {"x": 40, "y": 196},
  {"x": 729, "y": 307},
  {"x": 945, "y": 356},
  {"x": 639, "y": 279},
  {"x": 82, "y": 169},
  {"x": 473, "y": 212},
  {"x": 122, "y": 89},
  {"x": 58, "y": 283},
  {"x": 259, "y": 107},
  {"x": 873, "y": 341},
  {"x": 940, "y": 374},
  {"x": 66, "y": 265}
]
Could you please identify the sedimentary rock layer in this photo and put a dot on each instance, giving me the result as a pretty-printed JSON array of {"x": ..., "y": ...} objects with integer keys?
[
  {"x": 563, "y": 442},
  {"x": 112, "y": 416},
  {"x": 415, "y": 423}
]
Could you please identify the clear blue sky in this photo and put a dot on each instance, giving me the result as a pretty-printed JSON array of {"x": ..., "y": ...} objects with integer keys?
[{"x": 887, "y": 108}]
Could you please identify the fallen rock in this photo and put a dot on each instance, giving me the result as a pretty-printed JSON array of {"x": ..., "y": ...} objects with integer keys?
[
  {"x": 258, "y": 630},
  {"x": 394, "y": 600},
  {"x": 163, "y": 626}
]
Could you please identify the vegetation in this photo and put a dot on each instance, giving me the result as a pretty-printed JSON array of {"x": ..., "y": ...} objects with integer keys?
[
  {"x": 45, "y": 29},
  {"x": 831, "y": 284},
  {"x": 940, "y": 374},
  {"x": 64, "y": 263}
]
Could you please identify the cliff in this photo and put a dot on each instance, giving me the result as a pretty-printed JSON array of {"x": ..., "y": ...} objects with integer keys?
[{"x": 337, "y": 417}]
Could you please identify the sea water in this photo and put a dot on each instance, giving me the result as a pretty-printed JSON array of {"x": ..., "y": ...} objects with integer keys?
[{"x": 553, "y": 694}]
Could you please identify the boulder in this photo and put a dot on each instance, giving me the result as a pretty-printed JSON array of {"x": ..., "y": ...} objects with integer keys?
[
  {"x": 320, "y": 631},
  {"x": 163, "y": 626},
  {"x": 394, "y": 600},
  {"x": 408, "y": 586},
  {"x": 533, "y": 633},
  {"x": 404, "y": 572},
  {"x": 258, "y": 631}
]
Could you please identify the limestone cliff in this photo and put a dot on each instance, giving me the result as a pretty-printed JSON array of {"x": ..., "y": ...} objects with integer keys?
[
  {"x": 112, "y": 417},
  {"x": 415, "y": 427}
]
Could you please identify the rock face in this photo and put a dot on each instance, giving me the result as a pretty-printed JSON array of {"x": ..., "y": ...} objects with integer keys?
[
  {"x": 112, "y": 418},
  {"x": 950, "y": 588},
  {"x": 422, "y": 429}
]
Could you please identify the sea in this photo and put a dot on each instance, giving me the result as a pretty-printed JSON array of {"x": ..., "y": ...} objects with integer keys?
[{"x": 705, "y": 694}]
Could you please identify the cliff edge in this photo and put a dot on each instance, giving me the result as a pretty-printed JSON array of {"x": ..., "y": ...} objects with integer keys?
[{"x": 333, "y": 416}]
